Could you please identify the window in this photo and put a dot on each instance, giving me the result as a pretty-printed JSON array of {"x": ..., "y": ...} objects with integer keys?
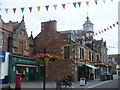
[
  {"x": 20, "y": 50},
  {"x": 81, "y": 53},
  {"x": 89, "y": 55},
  {"x": 1, "y": 40},
  {"x": 30, "y": 51},
  {"x": 66, "y": 52}
]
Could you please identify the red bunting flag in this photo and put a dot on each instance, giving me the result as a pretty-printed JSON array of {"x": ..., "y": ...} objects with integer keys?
[
  {"x": 79, "y": 4},
  {"x": 117, "y": 23},
  {"x": 38, "y": 7},
  {"x": 30, "y": 8},
  {"x": 111, "y": 27},
  {"x": 14, "y": 10},
  {"x": 63, "y": 5}
]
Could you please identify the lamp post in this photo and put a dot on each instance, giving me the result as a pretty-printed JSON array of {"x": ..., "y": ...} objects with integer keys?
[{"x": 44, "y": 78}]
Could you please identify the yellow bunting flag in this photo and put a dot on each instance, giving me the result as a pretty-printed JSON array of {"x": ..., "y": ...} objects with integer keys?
[
  {"x": 38, "y": 7},
  {"x": 87, "y": 2}
]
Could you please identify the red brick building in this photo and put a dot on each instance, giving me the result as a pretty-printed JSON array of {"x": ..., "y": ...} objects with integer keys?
[{"x": 72, "y": 55}]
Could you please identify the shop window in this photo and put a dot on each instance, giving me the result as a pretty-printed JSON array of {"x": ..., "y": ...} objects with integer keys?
[{"x": 66, "y": 52}]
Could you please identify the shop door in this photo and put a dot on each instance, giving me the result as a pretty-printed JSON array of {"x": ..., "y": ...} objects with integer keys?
[{"x": 32, "y": 74}]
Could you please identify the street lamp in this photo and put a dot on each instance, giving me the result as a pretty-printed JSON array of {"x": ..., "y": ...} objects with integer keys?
[{"x": 44, "y": 78}]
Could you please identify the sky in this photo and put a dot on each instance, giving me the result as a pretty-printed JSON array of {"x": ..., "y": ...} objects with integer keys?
[{"x": 102, "y": 15}]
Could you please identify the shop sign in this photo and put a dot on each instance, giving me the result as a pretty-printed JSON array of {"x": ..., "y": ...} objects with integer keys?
[
  {"x": 23, "y": 60},
  {"x": 2, "y": 56}
]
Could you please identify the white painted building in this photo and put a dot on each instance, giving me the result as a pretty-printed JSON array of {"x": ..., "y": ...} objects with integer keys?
[{"x": 4, "y": 62}]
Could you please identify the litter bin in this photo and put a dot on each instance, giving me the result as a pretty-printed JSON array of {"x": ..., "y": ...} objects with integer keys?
[
  {"x": 82, "y": 81},
  {"x": 102, "y": 77},
  {"x": 6, "y": 79}
]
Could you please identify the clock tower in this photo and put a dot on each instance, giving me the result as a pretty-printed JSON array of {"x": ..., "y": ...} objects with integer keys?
[{"x": 88, "y": 28}]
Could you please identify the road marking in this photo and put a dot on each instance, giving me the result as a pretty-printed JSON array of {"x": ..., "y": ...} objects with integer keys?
[{"x": 98, "y": 84}]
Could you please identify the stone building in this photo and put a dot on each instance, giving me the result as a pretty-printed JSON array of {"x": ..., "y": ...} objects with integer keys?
[
  {"x": 75, "y": 58},
  {"x": 15, "y": 41}
]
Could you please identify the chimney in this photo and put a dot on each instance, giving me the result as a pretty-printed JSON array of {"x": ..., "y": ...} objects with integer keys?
[{"x": 49, "y": 26}]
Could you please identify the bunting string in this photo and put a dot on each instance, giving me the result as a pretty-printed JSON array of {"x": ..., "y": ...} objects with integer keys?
[{"x": 48, "y": 6}]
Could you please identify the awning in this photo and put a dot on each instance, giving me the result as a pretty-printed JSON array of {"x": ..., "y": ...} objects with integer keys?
[
  {"x": 25, "y": 65},
  {"x": 91, "y": 66}
]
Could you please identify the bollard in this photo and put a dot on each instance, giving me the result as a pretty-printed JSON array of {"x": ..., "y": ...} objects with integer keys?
[{"x": 18, "y": 81}]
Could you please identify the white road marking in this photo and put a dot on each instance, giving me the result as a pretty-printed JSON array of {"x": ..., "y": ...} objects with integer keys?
[{"x": 99, "y": 84}]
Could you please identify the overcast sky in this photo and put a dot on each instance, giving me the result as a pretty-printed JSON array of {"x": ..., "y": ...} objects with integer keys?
[{"x": 101, "y": 15}]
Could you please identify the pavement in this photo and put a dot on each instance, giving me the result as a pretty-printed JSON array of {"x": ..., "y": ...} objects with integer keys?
[{"x": 39, "y": 84}]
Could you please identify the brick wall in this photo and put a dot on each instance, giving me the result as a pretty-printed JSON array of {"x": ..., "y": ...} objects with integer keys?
[{"x": 6, "y": 29}]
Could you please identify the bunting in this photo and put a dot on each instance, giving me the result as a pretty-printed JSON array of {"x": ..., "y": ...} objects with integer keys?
[
  {"x": 55, "y": 6},
  {"x": 22, "y": 9},
  {"x": 106, "y": 29},
  {"x": 74, "y": 4},
  {"x": 79, "y": 4},
  {"x": 6, "y": 9},
  {"x": 47, "y": 6},
  {"x": 30, "y": 8},
  {"x": 96, "y": 2},
  {"x": 38, "y": 7},
  {"x": 14, "y": 10},
  {"x": 63, "y": 5},
  {"x": 87, "y": 2},
  {"x": 104, "y": 1}
]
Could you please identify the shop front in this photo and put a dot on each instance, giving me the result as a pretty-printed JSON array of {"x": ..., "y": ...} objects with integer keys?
[{"x": 24, "y": 65}]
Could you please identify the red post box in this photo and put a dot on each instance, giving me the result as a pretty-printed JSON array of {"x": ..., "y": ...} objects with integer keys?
[{"x": 18, "y": 81}]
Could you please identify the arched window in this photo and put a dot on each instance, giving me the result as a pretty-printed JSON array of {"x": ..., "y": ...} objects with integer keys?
[{"x": 1, "y": 40}]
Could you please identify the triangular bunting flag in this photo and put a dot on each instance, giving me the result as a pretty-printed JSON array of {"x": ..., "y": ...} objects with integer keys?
[
  {"x": 22, "y": 9},
  {"x": 14, "y": 10},
  {"x": 99, "y": 32},
  {"x": 6, "y": 10},
  {"x": 63, "y": 5},
  {"x": 38, "y": 7},
  {"x": 55, "y": 6},
  {"x": 112, "y": 0},
  {"x": 96, "y": 33},
  {"x": 102, "y": 31},
  {"x": 79, "y": 4},
  {"x": 87, "y": 2},
  {"x": 114, "y": 25},
  {"x": 111, "y": 27},
  {"x": 74, "y": 4},
  {"x": 104, "y": 1},
  {"x": 117, "y": 23},
  {"x": 105, "y": 30},
  {"x": 30, "y": 8},
  {"x": 95, "y": 2},
  {"x": 47, "y": 7}
]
